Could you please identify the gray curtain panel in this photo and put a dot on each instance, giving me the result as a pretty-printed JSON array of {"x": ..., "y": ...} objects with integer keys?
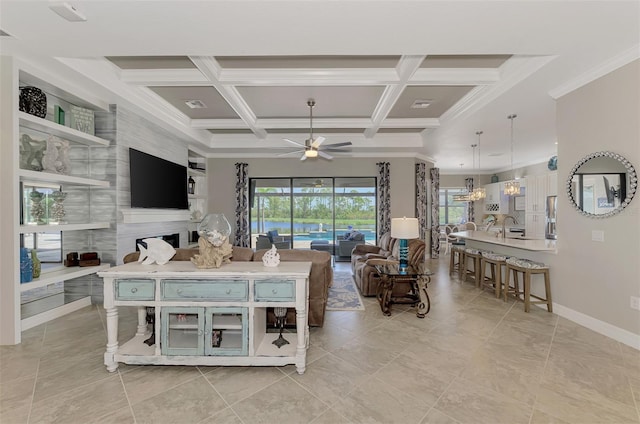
[
  {"x": 468, "y": 183},
  {"x": 242, "y": 206},
  {"x": 421, "y": 198},
  {"x": 435, "y": 213},
  {"x": 384, "y": 198}
]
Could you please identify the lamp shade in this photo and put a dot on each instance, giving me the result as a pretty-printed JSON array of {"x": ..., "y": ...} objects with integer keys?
[{"x": 405, "y": 228}]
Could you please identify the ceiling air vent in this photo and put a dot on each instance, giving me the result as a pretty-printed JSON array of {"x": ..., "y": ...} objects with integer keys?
[
  {"x": 195, "y": 104},
  {"x": 421, "y": 104}
]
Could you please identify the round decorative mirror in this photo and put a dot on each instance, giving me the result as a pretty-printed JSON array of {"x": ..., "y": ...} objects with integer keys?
[{"x": 602, "y": 184}]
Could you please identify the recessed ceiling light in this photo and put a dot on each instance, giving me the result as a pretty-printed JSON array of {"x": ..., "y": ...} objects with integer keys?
[
  {"x": 195, "y": 104},
  {"x": 67, "y": 11},
  {"x": 421, "y": 104}
]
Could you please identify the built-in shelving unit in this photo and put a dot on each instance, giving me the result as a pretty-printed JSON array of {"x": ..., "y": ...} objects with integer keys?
[
  {"x": 197, "y": 170},
  {"x": 43, "y": 302}
]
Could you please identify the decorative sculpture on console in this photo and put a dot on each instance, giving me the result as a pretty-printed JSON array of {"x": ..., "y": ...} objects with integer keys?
[
  {"x": 271, "y": 257},
  {"x": 215, "y": 249}
]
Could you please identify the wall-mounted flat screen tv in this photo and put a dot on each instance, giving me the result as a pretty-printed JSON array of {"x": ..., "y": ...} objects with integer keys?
[{"x": 157, "y": 183}]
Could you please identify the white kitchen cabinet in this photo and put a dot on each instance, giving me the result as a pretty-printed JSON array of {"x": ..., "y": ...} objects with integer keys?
[
  {"x": 538, "y": 188},
  {"x": 496, "y": 202}
]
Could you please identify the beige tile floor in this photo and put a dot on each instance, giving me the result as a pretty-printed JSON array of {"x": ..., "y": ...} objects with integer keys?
[{"x": 473, "y": 359}]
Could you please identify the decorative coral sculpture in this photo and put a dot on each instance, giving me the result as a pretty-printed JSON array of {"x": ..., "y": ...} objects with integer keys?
[
  {"x": 215, "y": 249},
  {"x": 271, "y": 257}
]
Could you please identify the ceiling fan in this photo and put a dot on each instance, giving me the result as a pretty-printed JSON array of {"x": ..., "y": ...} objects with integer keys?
[{"x": 313, "y": 147}]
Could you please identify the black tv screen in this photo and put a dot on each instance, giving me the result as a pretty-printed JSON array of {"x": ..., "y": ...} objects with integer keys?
[{"x": 157, "y": 183}]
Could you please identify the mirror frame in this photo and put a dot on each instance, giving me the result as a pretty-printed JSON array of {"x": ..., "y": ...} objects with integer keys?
[{"x": 632, "y": 179}]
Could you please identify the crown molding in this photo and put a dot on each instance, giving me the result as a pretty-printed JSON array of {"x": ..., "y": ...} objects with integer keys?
[
  {"x": 410, "y": 123},
  {"x": 139, "y": 99},
  {"x": 596, "y": 72},
  {"x": 512, "y": 72},
  {"x": 288, "y": 77}
]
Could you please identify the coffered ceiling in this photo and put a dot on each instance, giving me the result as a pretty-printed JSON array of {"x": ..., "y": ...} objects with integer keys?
[{"x": 396, "y": 78}]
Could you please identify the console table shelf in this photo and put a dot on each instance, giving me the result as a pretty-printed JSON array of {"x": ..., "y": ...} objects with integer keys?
[{"x": 207, "y": 316}]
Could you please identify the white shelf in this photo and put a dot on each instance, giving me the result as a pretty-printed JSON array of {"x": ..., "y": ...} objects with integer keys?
[
  {"x": 227, "y": 322},
  {"x": 48, "y": 315},
  {"x": 26, "y": 229},
  {"x": 27, "y": 175},
  {"x": 67, "y": 133},
  {"x": 47, "y": 278},
  {"x": 267, "y": 348},
  {"x": 196, "y": 172},
  {"x": 144, "y": 215}
]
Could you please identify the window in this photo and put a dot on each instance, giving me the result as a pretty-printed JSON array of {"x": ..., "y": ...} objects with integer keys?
[
  {"x": 308, "y": 211},
  {"x": 452, "y": 211}
]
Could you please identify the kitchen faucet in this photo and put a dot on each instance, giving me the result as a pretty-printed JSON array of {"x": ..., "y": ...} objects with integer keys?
[{"x": 504, "y": 221}]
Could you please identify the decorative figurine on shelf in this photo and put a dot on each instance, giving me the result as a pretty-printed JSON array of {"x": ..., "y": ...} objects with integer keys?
[
  {"x": 271, "y": 257},
  {"x": 56, "y": 156},
  {"x": 37, "y": 265},
  {"x": 281, "y": 320},
  {"x": 191, "y": 186},
  {"x": 151, "y": 319},
  {"x": 57, "y": 210},
  {"x": 33, "y": 101},
  {"x": 156, "y": 250},
  {"x": 215, "y": 249},
  {"x": 26, "y": 266},
  {"x": 31, "y": 153},
  {"x": 37, "y": 210}
]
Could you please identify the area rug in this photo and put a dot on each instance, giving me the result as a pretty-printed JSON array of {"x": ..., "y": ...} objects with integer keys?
[{"x": 343, "y": 294}]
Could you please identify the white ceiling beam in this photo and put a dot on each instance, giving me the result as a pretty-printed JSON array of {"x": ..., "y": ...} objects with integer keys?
[
  {"x": 455, "y": 76},
  {"x": 275, "y": 123},
  {"x": 410, "y": 123},
  {"x": 407, "y": 66},
  {"x": 211, "y": 69},
  {"x": 218, "y": 124},
  {"x": 312, "y": 77},
  {"x": 163, "y": 77},
  {"x": 298, "y": 77}
]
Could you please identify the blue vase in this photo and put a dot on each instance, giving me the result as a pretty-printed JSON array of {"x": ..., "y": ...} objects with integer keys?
[{"x": 26, "y": 266}]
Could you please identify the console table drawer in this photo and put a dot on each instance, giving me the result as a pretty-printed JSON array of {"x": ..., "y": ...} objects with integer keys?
[
  {"x": 205, "y": 289},
  {"x": 142, "y": 289},
  {"x": 275, "y": 290}
]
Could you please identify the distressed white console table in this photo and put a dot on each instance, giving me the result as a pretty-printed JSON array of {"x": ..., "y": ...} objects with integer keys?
[{"x": 207, "y": 316}]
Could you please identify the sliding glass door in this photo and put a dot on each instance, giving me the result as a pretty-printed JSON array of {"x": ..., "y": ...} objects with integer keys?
[{"x": 312, "y": 213}]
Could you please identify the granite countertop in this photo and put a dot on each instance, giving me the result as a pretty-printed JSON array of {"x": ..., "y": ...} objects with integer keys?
[{"x": 541, "y": 245}]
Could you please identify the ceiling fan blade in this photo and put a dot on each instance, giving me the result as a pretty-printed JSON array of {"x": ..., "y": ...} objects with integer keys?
[
  {"x": 304, "y": 157},
  {"x": 318, "y": 141},
  {"x": 338, "y": 150},
  {"x": 325, "y": 155},
  {"x": 295, "y": 152},
  {"x": 293, "y": 142},
  {"x": 344, "y": 144}
]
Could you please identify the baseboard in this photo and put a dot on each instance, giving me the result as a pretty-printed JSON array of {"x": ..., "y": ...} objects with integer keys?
[{"x": 601, "y": 327}]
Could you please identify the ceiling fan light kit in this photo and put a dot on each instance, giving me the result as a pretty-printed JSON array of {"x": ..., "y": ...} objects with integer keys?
[{"x": 313, "y": 147}]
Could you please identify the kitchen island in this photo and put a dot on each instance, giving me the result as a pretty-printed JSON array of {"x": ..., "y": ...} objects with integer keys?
[
  {"x": 534, "y": 245},
  {"x": 538, "y": 250}
]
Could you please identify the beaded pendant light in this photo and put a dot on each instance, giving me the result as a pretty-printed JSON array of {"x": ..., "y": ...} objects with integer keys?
[{"x": 512, "y": 188}]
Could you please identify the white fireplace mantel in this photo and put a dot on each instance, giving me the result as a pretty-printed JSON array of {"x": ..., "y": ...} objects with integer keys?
[{"x": 144, "y": 215}]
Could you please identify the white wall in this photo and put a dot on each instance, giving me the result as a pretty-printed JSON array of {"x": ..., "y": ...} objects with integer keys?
[
  {"x": 597, "y": 278},
  {"x": 221, "y": 174}
]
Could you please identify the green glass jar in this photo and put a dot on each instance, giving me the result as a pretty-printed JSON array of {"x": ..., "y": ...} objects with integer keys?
[{"x": 37, "y": 266}]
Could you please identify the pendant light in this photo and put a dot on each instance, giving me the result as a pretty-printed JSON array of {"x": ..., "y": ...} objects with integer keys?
[
  {"x": 479, "y": 193},
  {"x": 512, "y": 188},
  {"x": 466, "y": 197}
]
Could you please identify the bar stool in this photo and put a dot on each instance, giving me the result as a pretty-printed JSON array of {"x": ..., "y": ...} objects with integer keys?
[
  {"x": 456, "y": 259},
  {"x": 495, "y": 262},
  {"x": 475, "y": 256},
  {"x": 527, "y": 268}
]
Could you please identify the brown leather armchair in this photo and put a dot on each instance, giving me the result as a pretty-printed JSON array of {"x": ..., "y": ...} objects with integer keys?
[
  {"x": 365, "y": 274},
  {"x": 362, "y": 252}
]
